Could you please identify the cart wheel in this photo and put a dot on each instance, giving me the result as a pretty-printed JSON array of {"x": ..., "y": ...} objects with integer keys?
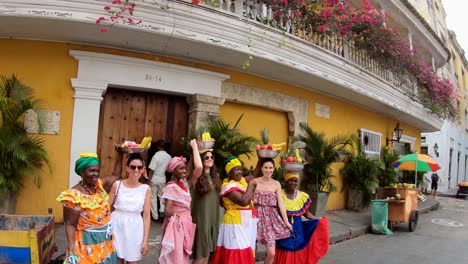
[{"x": 413, "y": 220}]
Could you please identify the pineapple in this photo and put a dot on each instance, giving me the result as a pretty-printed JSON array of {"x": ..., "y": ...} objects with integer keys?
[{"x": 265, "y": 139}]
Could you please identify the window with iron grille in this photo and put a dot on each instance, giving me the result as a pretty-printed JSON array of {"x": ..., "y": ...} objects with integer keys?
[{"x": 371, "y": 141}]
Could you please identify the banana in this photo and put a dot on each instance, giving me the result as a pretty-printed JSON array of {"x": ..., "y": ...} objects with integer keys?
[
  {"x": 206, "y": 136},
  {"x": 279, "y": 146},
  {"x": 298, "y": 158},
  {"x": 146, "y": 142},
  {"x": 88, "y": 155}
]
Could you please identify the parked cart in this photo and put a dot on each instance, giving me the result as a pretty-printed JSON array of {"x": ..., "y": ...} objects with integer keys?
[
  {"x": 462, "y": 190},
  {"x": 27, "y": 239},
  {"x": 403, "y": 209}
]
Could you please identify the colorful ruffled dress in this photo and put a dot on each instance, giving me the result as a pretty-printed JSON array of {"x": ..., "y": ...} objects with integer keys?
[
  {"x": 93, "y": 236},
  {"x": 270, "y": 225},
  {"x": 238, "y": 230},
  {"x": 309, "y": 240},
  {"x": 178, "y": 232}
]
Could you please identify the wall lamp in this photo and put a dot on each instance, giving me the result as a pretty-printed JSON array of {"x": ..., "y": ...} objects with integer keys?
[
  {"x": 398, "y": 131},
  {"x": 436, "y": 149}
]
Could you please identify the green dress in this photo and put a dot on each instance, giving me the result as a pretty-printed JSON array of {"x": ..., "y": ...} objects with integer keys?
[{"x": 205, "y": 214}]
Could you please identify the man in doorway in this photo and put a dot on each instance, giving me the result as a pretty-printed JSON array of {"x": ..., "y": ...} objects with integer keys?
[
  {"x": 157, "y": 177},
  {"x": 434, "y": 183}
]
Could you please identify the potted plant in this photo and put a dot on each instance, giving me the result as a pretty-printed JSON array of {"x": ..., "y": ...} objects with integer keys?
[
  {"x": 21, "y": 155},
  {"x": 388, "y": 174},
  {"x": 321, "y": 153},
  {"x": 360, "y": 175}
]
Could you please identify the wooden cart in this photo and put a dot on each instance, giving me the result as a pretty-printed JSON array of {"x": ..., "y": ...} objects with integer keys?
[
  {"x": 27, "y": 239},
  {"x": 462, "y": 190},
  {"x": 403, "y": 209}
]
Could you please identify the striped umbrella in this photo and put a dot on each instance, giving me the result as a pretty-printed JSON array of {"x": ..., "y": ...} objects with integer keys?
[{"x": 416, "y": 162}]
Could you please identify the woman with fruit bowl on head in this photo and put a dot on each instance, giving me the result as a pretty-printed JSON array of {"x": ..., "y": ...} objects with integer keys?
[
  {"x": 132, "y": 215},
  {"x": 205, "y": 188},
  {"x": 236, "y": 239},
  {"x": 273, "y": 223},
  {"x": 309, "y": 240}
]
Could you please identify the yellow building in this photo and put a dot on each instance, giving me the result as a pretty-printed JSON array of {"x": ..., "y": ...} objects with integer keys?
[{"x": 183, "y": 63}]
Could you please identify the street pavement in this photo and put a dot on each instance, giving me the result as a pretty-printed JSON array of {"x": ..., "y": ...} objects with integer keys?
[
  {"x": 440, "y": 237},
  {"x": 343, "y": 225}
]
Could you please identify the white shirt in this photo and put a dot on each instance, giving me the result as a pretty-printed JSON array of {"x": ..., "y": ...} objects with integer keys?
[{"x": 158, "y": 165}]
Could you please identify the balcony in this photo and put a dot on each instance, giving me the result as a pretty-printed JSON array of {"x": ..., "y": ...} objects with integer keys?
[{"x": 225, "y": 34}]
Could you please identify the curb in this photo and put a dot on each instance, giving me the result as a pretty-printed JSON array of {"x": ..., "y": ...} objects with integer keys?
[
  {"x": 435, "y": 206},
  {"x": 352, "y": 233}
]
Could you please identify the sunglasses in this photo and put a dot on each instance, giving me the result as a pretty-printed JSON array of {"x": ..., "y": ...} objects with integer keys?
[
  {"x": 133, "y": 167},
  {"x": 208, "y": 158}
]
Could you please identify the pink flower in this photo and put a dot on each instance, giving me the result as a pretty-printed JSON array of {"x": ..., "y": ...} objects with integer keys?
[
  {"x": 104, "y": 30},
  {"x": 116, "y": 2},
  {"x": 99, "y": 20},
  {"x": 322, "y": 28},
  {"x": 107, "y": 8}
]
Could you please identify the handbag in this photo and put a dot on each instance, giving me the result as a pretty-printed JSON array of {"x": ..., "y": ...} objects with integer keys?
[{"x": 115, "y": 198}]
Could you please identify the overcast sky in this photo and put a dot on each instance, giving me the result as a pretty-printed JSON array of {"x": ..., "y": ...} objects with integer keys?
[{"x": 457, "y": 20}]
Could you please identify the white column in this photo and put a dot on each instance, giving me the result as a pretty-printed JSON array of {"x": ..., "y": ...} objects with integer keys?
[
  {"x": 84, "y": 136},
  {"x": 433, "y": 64}
]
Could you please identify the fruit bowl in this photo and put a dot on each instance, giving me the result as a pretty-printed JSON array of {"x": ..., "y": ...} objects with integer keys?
[
  {"x": 205, "y": 144},
  {"x": 267, "y": 153},
  {"x": 132, "y": 150},
  {"x": 292, "y": 166}
]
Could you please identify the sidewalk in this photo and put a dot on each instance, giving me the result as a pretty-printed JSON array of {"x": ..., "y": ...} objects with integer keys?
[{"x": 343, "y": 224}]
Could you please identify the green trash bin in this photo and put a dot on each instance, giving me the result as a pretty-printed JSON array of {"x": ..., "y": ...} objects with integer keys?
[{"x": 380, "y": 217}]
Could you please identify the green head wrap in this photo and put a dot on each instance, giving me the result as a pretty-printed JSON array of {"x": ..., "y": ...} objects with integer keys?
[{"x": 84, "y": 162}]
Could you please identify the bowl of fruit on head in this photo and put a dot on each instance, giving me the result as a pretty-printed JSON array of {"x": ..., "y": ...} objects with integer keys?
[
  {"x": 131, "y": 147},
  {"x": 205, "y": 141},
  {"x": 293, "y": 162},
  {"x": 267, "y": 150}
]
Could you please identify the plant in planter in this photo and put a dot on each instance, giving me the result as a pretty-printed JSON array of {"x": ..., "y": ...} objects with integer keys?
[
  {"x": 388, "y": 174},
  {"x": 321, "y": 154},
  {"x": 21, "y": 155},
  {"x": 229, "y": 141},
  {"x": 360, "y": 176}
]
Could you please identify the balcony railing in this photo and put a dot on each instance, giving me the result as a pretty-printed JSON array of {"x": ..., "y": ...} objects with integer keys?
[{"x": 257, "y": 11}]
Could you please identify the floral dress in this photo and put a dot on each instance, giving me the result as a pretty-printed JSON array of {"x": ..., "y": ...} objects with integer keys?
[
  {"x": 93, "y": 236},
  {"x": 270, "y": 225}
]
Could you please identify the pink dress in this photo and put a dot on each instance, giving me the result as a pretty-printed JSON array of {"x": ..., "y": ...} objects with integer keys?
[
  {"x": 270, "y": 225},
  {"x": 178, "y": 232}
]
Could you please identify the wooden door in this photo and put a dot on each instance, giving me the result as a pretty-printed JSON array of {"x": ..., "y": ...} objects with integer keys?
[{"x": 130, "y": 115}]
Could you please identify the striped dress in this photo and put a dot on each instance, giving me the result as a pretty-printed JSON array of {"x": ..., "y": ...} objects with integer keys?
[
  {"x": 309, "y": 240},
  {"x": 238, "y": 230}
]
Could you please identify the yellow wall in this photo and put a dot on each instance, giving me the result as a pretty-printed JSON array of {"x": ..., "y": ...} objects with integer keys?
[
  {"x": 48, "y": 68},
  {"x": 254, "y": 119}
]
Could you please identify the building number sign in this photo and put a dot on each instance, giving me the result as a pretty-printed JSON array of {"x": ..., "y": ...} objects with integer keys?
[{"x": 153, "y": 78}]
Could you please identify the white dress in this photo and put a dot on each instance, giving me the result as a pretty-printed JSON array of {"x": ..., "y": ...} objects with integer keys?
[{"x": 127, "y": 222}]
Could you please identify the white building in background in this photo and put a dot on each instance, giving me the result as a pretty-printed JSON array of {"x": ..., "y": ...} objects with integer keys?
[{"x": 449, "y": 146}]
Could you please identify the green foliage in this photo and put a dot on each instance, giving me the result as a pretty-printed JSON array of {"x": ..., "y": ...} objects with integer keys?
[
  {"x": 360, "y": 172},
  {"x": 230, "y": 141},
  {"x": 321, "y": 154},
  {"x": 388, "y": 174},
  {"x": 20, "y": 154}
]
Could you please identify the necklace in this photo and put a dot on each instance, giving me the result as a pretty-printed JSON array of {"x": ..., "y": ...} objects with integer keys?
[
  {"x": 288, "y": 195},
  {"x": 87, "y": 188}
]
